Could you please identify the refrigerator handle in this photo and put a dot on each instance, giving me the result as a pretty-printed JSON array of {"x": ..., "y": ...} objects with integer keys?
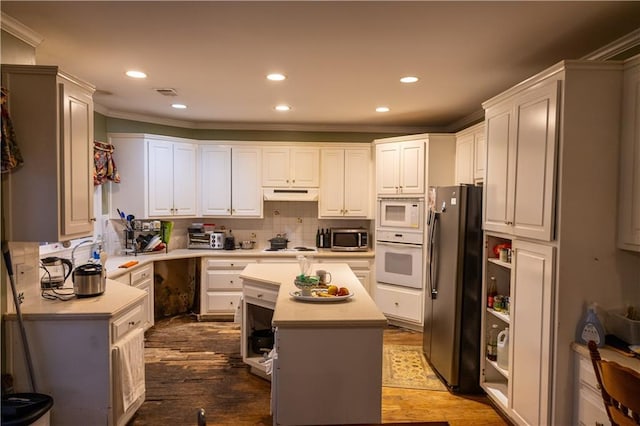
[{"x": 432, "y": 266}]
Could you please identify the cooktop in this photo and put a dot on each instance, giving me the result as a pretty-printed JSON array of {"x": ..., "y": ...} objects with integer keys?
[{"x": 294, "y": 249}]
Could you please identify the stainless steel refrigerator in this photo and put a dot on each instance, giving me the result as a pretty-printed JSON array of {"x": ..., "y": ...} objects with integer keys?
[{"x": 453, "y": 290}]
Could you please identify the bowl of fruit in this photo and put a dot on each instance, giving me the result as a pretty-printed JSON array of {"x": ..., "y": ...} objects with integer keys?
[{"x": 306, "y": 283}]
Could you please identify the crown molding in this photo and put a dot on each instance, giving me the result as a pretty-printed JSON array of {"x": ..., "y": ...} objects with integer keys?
[
  {"x": 292, "y": 127},
  {"x": 19, "y": 30},
  {"x": 615, "y": 48}
]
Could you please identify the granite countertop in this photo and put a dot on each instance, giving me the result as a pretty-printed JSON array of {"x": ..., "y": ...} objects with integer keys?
[
  {"x": 113, "y": 262},
  {"x": 359, "y": 310}
]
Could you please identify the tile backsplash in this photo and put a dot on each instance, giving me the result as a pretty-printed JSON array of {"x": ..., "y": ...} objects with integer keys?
[{"x": 297, "y": 219}]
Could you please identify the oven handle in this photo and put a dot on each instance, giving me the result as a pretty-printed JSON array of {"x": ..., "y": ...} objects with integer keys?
[{"x": 431, "y": 251}]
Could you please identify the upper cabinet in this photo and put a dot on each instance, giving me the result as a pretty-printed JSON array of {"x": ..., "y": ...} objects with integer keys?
[
  {"x": 158, "y": 176},
  {"x": 470, "y": 155},
  {"x": 406, "y": 165},
  {"x": 629, "y": 197},
  {"x": 521, "y": 155},
  {"x": 284, "y": 167},
  {"x": 230, "y": 181},
  {"x": 344, "y": 183},
  {"x": 49, "y": 197},
  {"x": 171, "y": 178}
]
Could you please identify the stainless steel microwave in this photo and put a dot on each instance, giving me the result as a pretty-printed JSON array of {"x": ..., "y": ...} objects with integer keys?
[{"x": 348, "y": 239}]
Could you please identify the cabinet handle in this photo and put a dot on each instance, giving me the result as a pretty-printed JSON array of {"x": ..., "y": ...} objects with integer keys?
[
  {"x": 293, "y": 181},
  {"x": 599, "y": 424},
  {"x": 230, "y": 281},
  {"x": 93, "y": 219},
  {"x": 259, "y": 295},
  {"x": 287, "y": 181},
  {"x": 229, "y": 210},
  {"x": 397, "y": 304}
]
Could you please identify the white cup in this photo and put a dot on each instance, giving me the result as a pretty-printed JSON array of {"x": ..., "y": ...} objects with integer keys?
[{"x": 323, "y": 275}]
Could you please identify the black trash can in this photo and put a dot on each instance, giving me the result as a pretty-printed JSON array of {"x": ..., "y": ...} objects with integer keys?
[{"x": 22, "y": 409}]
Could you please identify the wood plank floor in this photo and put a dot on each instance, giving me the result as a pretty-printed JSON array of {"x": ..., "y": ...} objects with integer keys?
[{"x": 192, "y": 365}]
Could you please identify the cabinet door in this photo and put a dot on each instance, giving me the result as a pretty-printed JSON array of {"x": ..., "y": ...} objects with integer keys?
[
  {"x": 531, "y": 337},
  {"x": 185, "y": 183},
  {"x": 496, "y": 203},
  {"x": 77, "y": 164},
  {"x": 629, "y": 216},
  {"x": 387, "y": 168},
  {"x": 275, "y": 167},
  {"x": 412, "y": 167},
  {"x": 465, "y": 157},
  {"x": 305, "y": 167},
  {"x": 331, "y": 202},
  {"x": 160, "y": 175},
  {"x": 356, "y": 182},
  {"x": 215, "y": 165},
  {"x": 535, "y": 158},
  {"x": 246, "y": 192},
  {"x": 480, "y": 152}
]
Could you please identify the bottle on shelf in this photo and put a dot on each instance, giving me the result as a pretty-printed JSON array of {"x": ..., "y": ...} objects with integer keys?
[
  {"x": 321, "y": 239},
  {"x": 492, "y": 291},
  {"x": 327, "y": 238},
  {"x": 492, "y": 343},
  {"x": 318, "y": 238}
]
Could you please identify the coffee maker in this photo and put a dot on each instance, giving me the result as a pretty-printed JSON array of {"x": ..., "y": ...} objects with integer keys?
[{"x": 56, "y": 272}]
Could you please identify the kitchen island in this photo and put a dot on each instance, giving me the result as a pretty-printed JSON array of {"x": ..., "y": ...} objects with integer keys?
[{"x": 327, "y": 367}]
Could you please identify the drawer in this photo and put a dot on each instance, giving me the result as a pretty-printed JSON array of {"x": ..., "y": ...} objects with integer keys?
[
  {"x": 260, "y": 293},
  {"x": 591, "y": 409},
  {"x": 587, "y": 375},
  {"x": 127, "y": 322},
  {"x": 353, "y": 263},
  {"x": 223, "y": 301},
  {"x": 399, "y": 302},
  {"x": 142, "y": 273},
  {"x": 124, "y": 279},
  {"x": 226, "y": 264},
  {"x": 223, "y": 280}
]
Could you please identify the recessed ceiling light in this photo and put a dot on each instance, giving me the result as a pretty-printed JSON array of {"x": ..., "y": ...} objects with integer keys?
[
  {"x": 382, "y": 109},
  {"x": 179, "y": 106},
  {"x": 136, "y": 74},
  {"x": 276, "y": 77},
  {"x": 283, "y": 107},
  {"x": 409, "y": 79}
]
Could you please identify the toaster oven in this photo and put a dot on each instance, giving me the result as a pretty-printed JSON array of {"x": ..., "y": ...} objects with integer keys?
[{"x": 206, "y": 240}]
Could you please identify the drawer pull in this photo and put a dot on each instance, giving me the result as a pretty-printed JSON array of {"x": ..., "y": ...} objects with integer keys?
[
  {"x": 260, "y": 295},
  {"x": 397, "y": 303}
]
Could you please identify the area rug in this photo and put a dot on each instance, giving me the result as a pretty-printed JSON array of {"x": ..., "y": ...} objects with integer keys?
[{"x": 406, "y": 367}]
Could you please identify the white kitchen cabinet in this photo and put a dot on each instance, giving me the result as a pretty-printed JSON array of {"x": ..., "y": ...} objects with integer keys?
[
  {"x": 284, "y": 167},
  {"x": 52, "y": 116},
  {"x": 589, "y": 407},
  {"x": 141, "y": 277},
  {"x": 521, "y": 156},
  {"x": 542, "y": 142},
  {"x": 361, "y": 268},
  {"x": 172, "y": 178},
  {"x": 221, "y": 286},
  {"x": 470, "y": 155},
  {"x": 406, "y": 165},
  {"x": 76, "y": 358},
  {"x": 230, "y": 181},
  {"x": 629, "y": 204},
  {"x": 157, "y": 176},
  {"x": 400, "y": 302},
  {"x": 344, "y": 183}
]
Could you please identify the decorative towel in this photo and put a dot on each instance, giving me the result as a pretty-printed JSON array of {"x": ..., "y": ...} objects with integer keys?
[
  {"x": 104, "y": 166},
  {"x": 11, "y": 156},
  {"x": 131, "y": 362}
]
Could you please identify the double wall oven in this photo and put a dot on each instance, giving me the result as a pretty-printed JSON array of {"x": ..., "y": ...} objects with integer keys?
[{"x": 399, "y": 242}]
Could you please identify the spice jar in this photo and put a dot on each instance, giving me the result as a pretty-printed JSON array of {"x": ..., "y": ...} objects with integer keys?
[{"x": 498, "y": 303}]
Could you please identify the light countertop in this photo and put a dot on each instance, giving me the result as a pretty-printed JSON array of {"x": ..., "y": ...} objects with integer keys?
[
  {"x": 113, "y": 262},
  {"x": 609, "y": 354},
  {"x": 359, "y": 310},
  {"x": 116, "y": 298}
]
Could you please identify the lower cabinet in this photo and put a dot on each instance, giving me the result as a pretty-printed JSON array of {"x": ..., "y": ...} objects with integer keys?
[
  {"x": 588, "y": 406},
  {"x": 258, "y": 304},
  {"x": 221, "y": 287},
  {"x": 78, "y": 360},
  {"x": 142, "y": 278},
  {"x": 400, "y": 302}
]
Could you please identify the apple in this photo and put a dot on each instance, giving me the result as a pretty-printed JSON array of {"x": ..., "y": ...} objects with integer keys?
[
  {"x": 343, "y": 291},
  {"x": 332, "y": 290}
]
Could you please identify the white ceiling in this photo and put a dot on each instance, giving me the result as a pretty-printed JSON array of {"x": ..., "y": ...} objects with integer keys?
[{"x": 342, "y": 59}]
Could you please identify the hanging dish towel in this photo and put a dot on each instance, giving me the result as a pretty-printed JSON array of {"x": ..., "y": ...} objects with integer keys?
[
  {"x": 104, "y": 167},
  {"x": 131, "y": 363},
  {"x": 11, "y": 156}
]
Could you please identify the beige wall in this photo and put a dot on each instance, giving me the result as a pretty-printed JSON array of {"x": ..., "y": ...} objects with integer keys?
[{"x": 16, "y": 51}]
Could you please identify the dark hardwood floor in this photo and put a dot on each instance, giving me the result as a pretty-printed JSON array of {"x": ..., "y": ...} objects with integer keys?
[{"x": 192, "y": 365}]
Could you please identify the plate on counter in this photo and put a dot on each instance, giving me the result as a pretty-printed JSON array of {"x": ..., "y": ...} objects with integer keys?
[{"x": 297, "y": 295}]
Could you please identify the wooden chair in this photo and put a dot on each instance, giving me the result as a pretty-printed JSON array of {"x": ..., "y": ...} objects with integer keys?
[{"x": 620, "y": 388}]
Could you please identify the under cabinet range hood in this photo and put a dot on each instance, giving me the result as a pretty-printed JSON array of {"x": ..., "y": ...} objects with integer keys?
[{"x": 290, "y": 194}]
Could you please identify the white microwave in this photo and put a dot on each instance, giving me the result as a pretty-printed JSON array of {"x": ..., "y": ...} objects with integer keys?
[{"x": 401, "y": 213}]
